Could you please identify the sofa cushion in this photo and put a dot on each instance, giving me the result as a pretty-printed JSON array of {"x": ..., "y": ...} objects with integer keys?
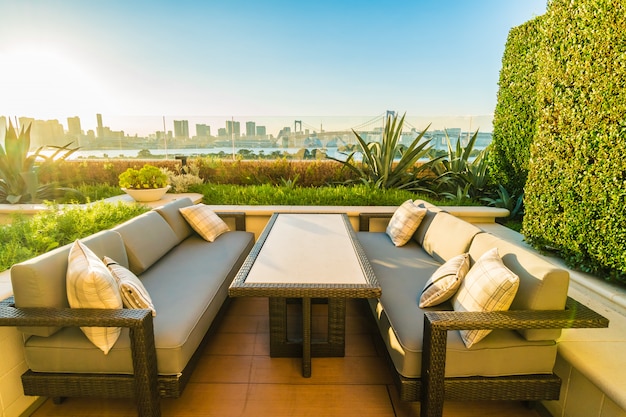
[
  {"x": 204, "y": 221},
  {"x": 404, "y": 222},
  {"x": 147, "y": 238},
  {"x": 172, "y": 216},
  {"x": 488, "y": 286},
  {"x": 188, "y": 287},
  {"x": 91, "y": 285},
  {"x": 402, "y": 273},
  {"x": 543, "y": 286},
  {"x": 445, "y": 281},
  {"x": 41, "y": 281},
  {"x": 431, "y": 212},
  {"x": 134, "y": 294},
  {"x": 448, "y": 236}
]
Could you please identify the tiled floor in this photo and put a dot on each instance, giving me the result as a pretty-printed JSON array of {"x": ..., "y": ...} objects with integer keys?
[{"x": 236, "y": 377}]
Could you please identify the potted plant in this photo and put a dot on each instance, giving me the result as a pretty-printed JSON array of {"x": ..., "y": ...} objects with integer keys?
[{"x": 146, "y": 184}]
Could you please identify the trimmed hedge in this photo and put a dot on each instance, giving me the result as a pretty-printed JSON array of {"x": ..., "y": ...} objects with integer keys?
[
  {"x": 576, "y": 188},
  {"x": 515, "y": 116}
]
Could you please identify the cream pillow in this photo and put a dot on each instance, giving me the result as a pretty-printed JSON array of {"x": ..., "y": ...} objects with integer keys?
[
  {"x": 404, "y": 222},
  {"x": 204, "y": 221},
  {"x": 445, "y": 281},
  {"x": 134, "y": 294},
  {"x": 488, "y": 286},
  {"x": 90, "y": 285}
]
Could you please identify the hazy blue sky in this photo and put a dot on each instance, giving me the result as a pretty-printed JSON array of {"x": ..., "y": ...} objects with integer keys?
[{"x": 432, "y": 58}]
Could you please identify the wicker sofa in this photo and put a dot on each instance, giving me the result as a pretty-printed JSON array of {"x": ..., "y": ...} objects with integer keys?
[
  {"x": 187, "y": 279},
  {"x": 431, "y": 362}
]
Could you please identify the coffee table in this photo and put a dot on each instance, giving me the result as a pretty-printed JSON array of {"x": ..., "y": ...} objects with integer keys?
[{"x": 305, "y": 257}]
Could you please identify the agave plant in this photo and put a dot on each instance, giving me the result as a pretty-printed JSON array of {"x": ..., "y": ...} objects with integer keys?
[
  {"x": 19, "y": 182},
  {"x": 389, "y": 164},
  {"x": 458, "y": 175}
]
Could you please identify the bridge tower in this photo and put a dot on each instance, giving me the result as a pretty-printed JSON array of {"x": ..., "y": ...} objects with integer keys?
[{"x": 296, "y": 124}]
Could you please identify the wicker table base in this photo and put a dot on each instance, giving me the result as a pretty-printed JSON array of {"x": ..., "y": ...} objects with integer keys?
[{"x": 282, "y": 346}]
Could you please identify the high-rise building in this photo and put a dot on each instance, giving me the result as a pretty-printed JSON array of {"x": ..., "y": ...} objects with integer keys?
[
  {"x": 233, "y": 128},
  {"x": 250, "y": 129},
  {"x": 181, "y": 129},
  {"x": 100, "y": 127},
  {"x": 203, "y": 130},
  {"x": 73, "y": 126},
  {"x": 261, "y": 131}
]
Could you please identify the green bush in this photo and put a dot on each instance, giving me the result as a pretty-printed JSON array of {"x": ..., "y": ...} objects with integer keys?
[
  {"x": 268, "y": 194},
  {"x": 27, "y": 237},
  {"x": 515, "y": 116},
  {"x": 576, "y": 188}
]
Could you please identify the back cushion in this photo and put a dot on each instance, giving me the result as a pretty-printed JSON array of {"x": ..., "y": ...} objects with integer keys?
[
  {"x": 147, "y": 238},
  {"x": 448, "y": 236},
  {"x": 176, "y": 220},
  {"x": 40, "y": 281},
  {"x": 543, "y": 286},
  {"x": 426, "y": 221}
]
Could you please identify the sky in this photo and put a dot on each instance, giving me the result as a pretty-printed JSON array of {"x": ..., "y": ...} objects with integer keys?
[{"x": 143, "y": 60}]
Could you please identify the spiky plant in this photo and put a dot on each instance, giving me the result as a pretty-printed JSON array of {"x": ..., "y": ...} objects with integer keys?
[
  {"x": 389, "y": 164},
  {"x": 19, "y": 182}
]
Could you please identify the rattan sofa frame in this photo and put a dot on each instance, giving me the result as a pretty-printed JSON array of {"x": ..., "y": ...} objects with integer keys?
[
  {"x": 432, "y": 388},
  {"x": 145, "y": 385}
]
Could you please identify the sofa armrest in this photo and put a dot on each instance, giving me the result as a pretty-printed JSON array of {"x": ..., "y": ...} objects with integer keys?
[
  {"x": 438, "y": 323},
  {"x": 139, "y": 321},
  {"x": 365, "y": 218},
  {"x": 239, "y": 216}
]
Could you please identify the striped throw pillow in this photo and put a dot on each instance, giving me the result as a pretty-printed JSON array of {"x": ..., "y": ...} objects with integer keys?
[
  {"x": 404, "y": 222},
  {"x": 204, "y": 221},
  {"x": 134, "y": 294},
  {"x": 90, "y": 285},
  {"x": 488, "y": 286},
  {"x": 445, "y": 281}
]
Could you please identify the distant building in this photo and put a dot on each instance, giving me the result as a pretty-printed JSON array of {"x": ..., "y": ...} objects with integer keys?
[
  {"x": 250, "y": 129},
  {"x": 261, "y": 131},
  {"x": 99, "y": 128},
  {"x": 73, "y": 126},
  {"x": 44, "y": 132},
  {"x": 181, "y": 129},
  {"x": 233, "y": 128},
  {"x": 221, "y": 132},
  {"x": 203, "y": 130}
]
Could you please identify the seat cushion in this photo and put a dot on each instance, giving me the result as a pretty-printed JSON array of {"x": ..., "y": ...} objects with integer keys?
[{"x": 188, "y": 286}]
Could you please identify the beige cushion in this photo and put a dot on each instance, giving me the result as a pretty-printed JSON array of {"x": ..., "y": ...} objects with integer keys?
[
  {"x": 445, "y": 281},
  {"x": 447, "y": 236},
  {"x": 204, "y": 221},
  {"x": 488, "y": 286},
  {"x": 91, "y": 285},
  {"x": 134, "y": 294},
  {"x": 404, "y": 222}
]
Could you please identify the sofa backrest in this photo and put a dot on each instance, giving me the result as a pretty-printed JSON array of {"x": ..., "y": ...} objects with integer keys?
[
  {"x": 40, "y": 281},
  {"x": 172, "y": 216},
  {"x": 147, "y": 238},
  {"x": 447, "y": 236},
  {"x": 543, "y": 286}
]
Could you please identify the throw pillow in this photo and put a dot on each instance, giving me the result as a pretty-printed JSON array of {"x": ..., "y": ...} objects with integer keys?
[
  {"x": 204, "y": 221},
  {"x": 91, "y": 285},
  {"x": 404, "y": 222},
  {"x": 488, "y": 286},
  {"x": 445, "y": 281},
  {"x": 134, "y": 294}
]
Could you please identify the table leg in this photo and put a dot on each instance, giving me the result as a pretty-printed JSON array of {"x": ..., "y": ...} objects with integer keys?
[{"x": 306, "y": 337}]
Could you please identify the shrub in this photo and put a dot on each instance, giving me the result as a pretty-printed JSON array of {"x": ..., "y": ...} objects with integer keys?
[
  {"x": 516, "y": 113},
  {"x": 576, "y": 188},
  {"x": 26, "y": 237}
]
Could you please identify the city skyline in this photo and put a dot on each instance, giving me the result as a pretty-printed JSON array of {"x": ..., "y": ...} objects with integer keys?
[{"x": 268, "y": 58}]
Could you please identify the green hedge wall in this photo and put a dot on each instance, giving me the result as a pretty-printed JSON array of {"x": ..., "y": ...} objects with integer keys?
[
  {"x": 515, "y": 116},
  {"x": 576, "y": 188}
]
